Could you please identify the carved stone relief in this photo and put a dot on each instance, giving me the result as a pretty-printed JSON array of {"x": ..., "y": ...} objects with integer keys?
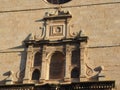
[{"x": 56, "y": 30}]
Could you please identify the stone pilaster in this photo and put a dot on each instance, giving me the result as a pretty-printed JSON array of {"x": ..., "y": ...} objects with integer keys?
[
  {"x": 28, "y": 64},
  {"x": 43, "y": 73},
  {"x": 82, "y": 61},
  {"x": 43, "y": 68},
  {"x": 67, "y": 63}
]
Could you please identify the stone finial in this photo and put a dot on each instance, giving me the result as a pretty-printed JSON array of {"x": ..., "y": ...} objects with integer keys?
[{"x": 31, "y": 37}]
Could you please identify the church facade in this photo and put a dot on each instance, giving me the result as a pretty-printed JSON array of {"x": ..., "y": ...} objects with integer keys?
[{"x": 59, "y": 45}]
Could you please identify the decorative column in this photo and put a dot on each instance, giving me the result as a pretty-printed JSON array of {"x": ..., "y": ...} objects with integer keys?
[
  {"x": 68, "y": 63},
  {"x": 28, "y": 64},
  {"x": 44, "y": 67},
  {"x": 82, "y": 61}
]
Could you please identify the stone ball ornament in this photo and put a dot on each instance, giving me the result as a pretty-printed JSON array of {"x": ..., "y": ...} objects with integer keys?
[{"x": 57, "y": 1}]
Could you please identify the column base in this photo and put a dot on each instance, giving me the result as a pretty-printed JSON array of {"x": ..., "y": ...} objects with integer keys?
[
  {"x": 101, "y": 77},
  {"x": 67, "y": 79},
  {"x": 25, "y": 81},
  {"x": 83, "y": 78},
  {"x": 42, "y": 80},
  {"x": 9, "y": 82}
]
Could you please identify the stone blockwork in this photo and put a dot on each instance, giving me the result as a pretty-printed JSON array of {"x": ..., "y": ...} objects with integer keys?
[{"x": 99, "y": 20}]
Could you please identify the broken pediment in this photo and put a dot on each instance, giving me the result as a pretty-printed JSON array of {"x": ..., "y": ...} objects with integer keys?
[{"x": 57, "y": 15}]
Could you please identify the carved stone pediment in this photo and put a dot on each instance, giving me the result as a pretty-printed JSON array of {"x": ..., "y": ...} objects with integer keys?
[{"x": 57, "y": 15}]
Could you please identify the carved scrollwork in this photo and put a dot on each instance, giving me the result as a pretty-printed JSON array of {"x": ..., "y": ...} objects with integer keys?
[
  {"x": 40, "y": 35},
  {"x": 89, "y": 71},
  {"x": 20, "y": 74},
  {"x": 73, "y": 33}
]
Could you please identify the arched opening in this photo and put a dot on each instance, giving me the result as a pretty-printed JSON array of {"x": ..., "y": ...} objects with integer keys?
[
  {"x": 75, "y": 72},
  {"x": 57, "y": 65},
  {"x": 38, "y": 59},
  {"x": 75, "y": 57},
  {"x": 36, "y": 74}
]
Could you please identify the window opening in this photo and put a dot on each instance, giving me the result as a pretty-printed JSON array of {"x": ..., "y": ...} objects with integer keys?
[
  {"x": 36, "y": 74},
  {"x": 57, "y": 66},
  {"x": 75, "y": 57},
  {"x": 75, "y": 73},
  {"x": 38, "y": 59}
]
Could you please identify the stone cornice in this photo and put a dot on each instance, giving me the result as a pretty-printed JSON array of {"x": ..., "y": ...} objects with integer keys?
[{"x": 48, "y": 42}]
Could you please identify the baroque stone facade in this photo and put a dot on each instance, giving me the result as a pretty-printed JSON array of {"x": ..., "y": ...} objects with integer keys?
[
  {"x": 59, "y": 42},
  {"x": 56, "y": 57}
]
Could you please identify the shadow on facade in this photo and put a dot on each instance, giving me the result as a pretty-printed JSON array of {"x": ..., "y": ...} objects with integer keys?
[
  {"x": 23, "y": 54},
  {"x": 21, "y": 72}
]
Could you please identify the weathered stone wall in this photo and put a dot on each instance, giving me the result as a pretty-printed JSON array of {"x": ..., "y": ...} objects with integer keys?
[{"x": 99, "y": 20}]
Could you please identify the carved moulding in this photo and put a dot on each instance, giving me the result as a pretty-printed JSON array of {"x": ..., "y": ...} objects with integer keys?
[{"x": 48, "y": 56}]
